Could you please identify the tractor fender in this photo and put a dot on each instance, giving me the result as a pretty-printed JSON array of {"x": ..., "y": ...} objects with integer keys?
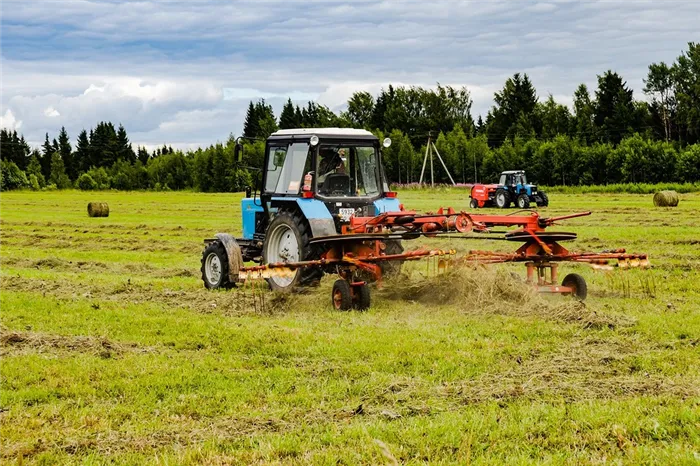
[
  {"x": 320, "y": 219},
  {"x": 387, "y": 204},
  {"x": 235, "y": 257},
  {"x": 314, "y": 211}
]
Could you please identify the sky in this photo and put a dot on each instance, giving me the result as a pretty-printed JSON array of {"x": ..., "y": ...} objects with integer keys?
[{"x": 182, "y": 72}]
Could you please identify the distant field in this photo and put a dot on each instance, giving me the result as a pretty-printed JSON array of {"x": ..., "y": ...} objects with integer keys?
[{"x": 112, "y": 351}]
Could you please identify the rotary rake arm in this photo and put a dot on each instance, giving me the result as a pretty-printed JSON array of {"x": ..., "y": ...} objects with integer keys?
[{"x": 447, "y": 220}]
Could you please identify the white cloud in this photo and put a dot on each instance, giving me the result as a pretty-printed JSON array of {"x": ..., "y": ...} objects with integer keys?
[
  {"x": 51, "y": 112},
  {"x": 183, "y": 73},
  {"x": 8, "y": 121}
]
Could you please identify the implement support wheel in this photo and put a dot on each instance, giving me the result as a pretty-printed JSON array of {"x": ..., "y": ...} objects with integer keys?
[
  {"x": 342, "y": 295},
  {"x": 577, "y": 284},
  {"x": 362, "y": 299}
]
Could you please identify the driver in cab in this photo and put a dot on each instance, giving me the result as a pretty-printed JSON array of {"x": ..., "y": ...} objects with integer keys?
[{"x": 333, "y": 179}]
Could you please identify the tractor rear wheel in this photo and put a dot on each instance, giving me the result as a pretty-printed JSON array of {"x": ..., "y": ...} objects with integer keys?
[
  {"x": 523, "y": 201},
  {"x": 342, "y": 295},
  {"x": 287, "y": 240},
  {"x": 215, "y": 266},
  {"x": 474, "y": 204},
  {"x": 577, "y": 284},
  {"x": 502, "y": 199}
]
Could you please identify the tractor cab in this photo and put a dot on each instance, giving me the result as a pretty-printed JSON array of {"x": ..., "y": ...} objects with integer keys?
[
  {"x": 313, "y": 181},
  {"x": 517, "y": 180},
  {"x": 328, "y": 174}
]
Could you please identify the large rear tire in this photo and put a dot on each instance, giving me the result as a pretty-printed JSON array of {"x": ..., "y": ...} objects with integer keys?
[
  {"x": 577, "y": 284},
  {"x": 287, "y": 240},
  {"x": 502, "y": 199},
  {"x": 215, "y": 268}
]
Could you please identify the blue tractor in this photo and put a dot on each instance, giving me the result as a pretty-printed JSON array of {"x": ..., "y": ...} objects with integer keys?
[
  {"x": 513, "y": 187},
  {"x": 313, "y": 181}
]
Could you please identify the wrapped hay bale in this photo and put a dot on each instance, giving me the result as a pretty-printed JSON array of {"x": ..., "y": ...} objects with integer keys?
[
  {"x": 666, "y": 199},
  {"x": 98, "y": 209}
]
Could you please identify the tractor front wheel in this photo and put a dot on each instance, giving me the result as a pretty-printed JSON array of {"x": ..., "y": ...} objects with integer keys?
[
  {"x": 545, "y": 199},
  {"x": 215, "y": 266},
  {"x": 474, "y": 204},
  {"x": 578, "y": 286},
  {"x": 287, "y": 240},
  {"x": 523, "y": 201},
  {"x": 502, "y": 199}
]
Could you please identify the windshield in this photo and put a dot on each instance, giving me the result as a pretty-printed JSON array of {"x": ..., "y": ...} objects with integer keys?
[{"x": 345, "y": 170}]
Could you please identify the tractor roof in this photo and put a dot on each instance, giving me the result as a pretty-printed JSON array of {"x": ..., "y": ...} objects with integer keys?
[
  {"x": 324, "y": 132},
  {"x": 512, "y": 172}
]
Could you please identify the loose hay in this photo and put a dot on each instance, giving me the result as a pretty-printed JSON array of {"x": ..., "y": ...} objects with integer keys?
[
  {"x": 481, "y": 289},
  {"x": 666, "y": 199},
  {"x": 462, "y": 284},
  {"x": 98, "y": 209}
]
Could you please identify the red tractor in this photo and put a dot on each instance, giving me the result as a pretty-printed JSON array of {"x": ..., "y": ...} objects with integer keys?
[{"x": 513, "y": 187}]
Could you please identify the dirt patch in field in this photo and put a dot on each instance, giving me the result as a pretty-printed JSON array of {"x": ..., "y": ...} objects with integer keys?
[{"x": 14, "y": 342}]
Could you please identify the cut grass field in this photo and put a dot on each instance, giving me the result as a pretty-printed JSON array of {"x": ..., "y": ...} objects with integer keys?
[{"x": 112, "y": 351}]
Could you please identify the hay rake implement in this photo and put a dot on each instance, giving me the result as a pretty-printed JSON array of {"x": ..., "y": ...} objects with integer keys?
[{"x": 358, "y": 254}]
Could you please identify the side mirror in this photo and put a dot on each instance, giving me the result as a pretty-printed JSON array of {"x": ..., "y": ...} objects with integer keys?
[
  {"x": 238, "y": 152},
  {"x": 279, "y": 158},
  {"x": 386, "y": 143}
]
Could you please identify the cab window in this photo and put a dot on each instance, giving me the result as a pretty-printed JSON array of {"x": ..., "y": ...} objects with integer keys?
[
  {"x": 345, "y": 170},
  {"x": 275, "y": 163}
]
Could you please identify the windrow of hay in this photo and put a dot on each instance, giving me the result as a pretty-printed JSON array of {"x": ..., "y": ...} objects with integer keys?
[
  {"x": 483, "y": 289},
  {"x": 15, "y": 341},
  {"x": 98, "y": 209},
  {"x": 666, "y": 199},
  {"x": 586, "y": 369}
]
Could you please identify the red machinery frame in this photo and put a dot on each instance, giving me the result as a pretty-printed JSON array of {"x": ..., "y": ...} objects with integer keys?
[{"x": 362, "y": 242}]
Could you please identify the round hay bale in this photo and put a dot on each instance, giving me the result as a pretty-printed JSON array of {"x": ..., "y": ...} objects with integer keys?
[
  {"x": 666, "y": 199},
  {"x": 98, "y": 209}
]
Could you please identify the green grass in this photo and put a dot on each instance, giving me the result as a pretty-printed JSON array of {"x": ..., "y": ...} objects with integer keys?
[{"x": 112, "y": 351}]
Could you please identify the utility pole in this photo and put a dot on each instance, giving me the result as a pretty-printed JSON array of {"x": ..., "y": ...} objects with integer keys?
[{"x": 430, "y": 147}]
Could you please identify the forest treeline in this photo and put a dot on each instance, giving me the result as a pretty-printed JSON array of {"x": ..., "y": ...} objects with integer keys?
[{"x": 607, "y": 137}]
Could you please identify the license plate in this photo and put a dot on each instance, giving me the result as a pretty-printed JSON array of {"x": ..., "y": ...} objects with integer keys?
[{"x": 345, "y": 214}]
